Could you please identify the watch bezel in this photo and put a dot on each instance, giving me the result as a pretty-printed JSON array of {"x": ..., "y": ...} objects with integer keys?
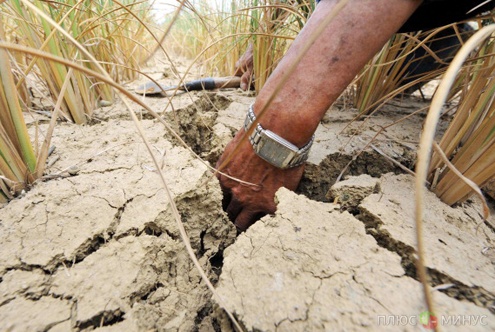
[{"x": 274, "y": 149}]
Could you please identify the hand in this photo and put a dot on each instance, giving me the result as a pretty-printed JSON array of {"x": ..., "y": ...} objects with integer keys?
[
  {"x": 244, "y": 203},
  {"x": 244, "y": 68}
]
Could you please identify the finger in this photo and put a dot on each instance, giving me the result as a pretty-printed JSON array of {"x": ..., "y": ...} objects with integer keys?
[
  {"x": 234, "y": 208},
  {"x": 238, "y": 70},
  {"x": 246, "y": 80},
  {"x": 246, "y": 218}
]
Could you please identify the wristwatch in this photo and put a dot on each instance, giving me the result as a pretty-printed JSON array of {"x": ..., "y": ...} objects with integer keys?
[{"x": 274, "y": 149}]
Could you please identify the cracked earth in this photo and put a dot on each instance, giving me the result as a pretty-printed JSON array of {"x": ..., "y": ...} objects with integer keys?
[{"x": 95, "y": 247}]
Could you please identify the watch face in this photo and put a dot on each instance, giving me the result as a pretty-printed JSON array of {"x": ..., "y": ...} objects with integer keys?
[{"x": 275, "y": 149}]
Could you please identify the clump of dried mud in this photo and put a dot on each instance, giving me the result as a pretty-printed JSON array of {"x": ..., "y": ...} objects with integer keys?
[
  {"x": 100, "y": 248},
  {"x": 96, "y": 246}
]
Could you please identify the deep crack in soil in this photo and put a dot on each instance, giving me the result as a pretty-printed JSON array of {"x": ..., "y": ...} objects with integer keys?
[
  {"x": 318, "y": 179},
  {"x": 455, "y": 289},
  {"x": 195, "y": 123},
  {"x": 131, "y": 270},
  {"x": 105, "y": 318}
]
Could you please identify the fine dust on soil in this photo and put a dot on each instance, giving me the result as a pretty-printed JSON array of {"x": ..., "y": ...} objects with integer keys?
[{"x": 96, "y": 247}]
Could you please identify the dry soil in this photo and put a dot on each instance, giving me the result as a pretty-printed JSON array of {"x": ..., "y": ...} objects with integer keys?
[{"x": 95, "y": 246}]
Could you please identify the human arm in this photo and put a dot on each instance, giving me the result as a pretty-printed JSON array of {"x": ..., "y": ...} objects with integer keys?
[{"x": 357, "y": 32}]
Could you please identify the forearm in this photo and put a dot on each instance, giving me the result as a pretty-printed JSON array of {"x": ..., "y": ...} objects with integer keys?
[
  {"x": 352, "y": 38},
  {"x": 337, "y": 55}
]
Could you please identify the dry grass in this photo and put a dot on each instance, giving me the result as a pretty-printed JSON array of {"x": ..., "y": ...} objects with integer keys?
[
  {"x": 469, "y": 141},
  {"x": 68, "y": 66},
  {"x": 427, "y": 140},
  {"x": 404, "y": 64},
  {"x": 216, "y": 37},
  {"x": 106, "y": 30},
  {"x": 18, "y": 160}
]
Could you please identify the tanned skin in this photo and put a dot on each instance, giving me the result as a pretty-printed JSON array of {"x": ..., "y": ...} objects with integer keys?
[{"x": 353, "y": 37}]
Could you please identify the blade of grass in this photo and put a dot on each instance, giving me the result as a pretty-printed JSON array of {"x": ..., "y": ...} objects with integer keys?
[
  {"x": 180, "y": 225},
  {"x": 471, "y": 110},
  {"x": 11, "y": 102},
  {"x": 122, "y": 90},
  {"x": 43, "y": 155},
  {"x": 426, "y": 143},
  {"x": 466, "y": 180},
  {"x": 107, "y": 79}
]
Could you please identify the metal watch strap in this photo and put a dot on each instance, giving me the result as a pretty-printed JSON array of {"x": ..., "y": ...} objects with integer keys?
[{"x": 274, "y": 149}]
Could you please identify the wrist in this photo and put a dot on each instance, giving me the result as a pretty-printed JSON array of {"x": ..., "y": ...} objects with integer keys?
[
  {"x": 294, "y": 123},
  {"x": 273, "y": 148}
]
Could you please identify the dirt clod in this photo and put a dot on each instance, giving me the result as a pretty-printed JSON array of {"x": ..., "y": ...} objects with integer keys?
[
  {"x": 454, "y": 238},
  {"x": 313, "y": 268},
  {"x": 99, "y": 248},
  {"x": 353, "y": 190}
]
